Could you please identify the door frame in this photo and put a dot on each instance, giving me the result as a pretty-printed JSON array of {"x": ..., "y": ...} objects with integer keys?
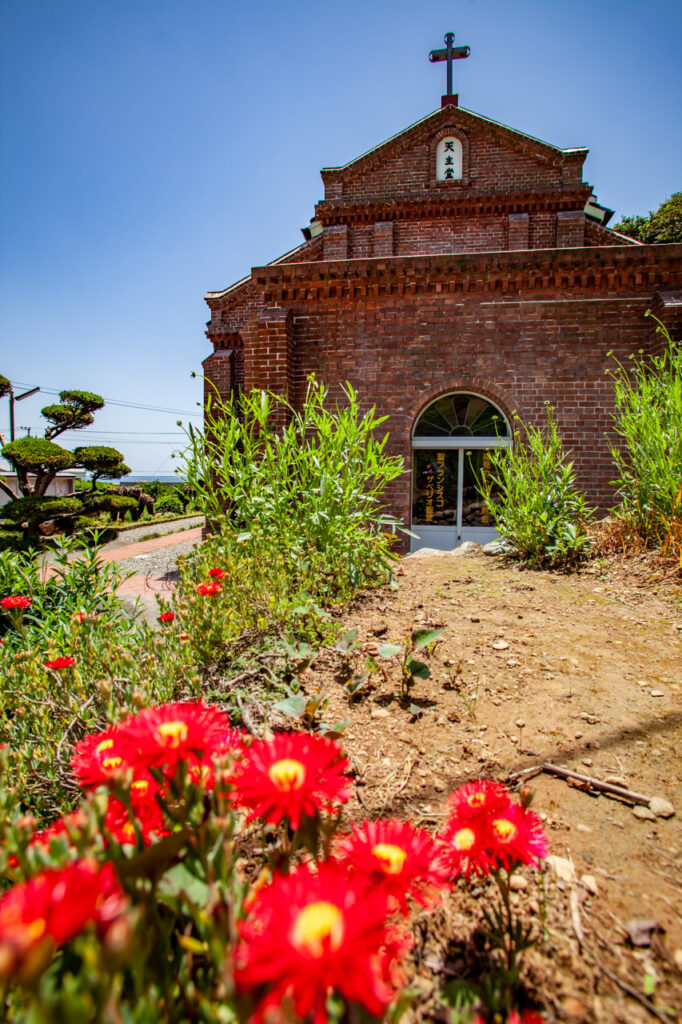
[{"x": 447, "y": 537}]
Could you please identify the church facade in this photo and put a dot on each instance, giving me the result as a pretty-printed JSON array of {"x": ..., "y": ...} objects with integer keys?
[{"x": 456, "y": 275}]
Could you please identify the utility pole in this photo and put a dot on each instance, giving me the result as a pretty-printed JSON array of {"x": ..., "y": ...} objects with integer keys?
[{"x": 17, "y": 398}]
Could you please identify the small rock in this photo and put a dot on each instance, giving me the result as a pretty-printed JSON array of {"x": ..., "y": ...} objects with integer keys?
[
  {"x": 661, "y": 808},
  {"x": 380, "y": 629},
  {"x": 500, "y": 645},
  {"x": 578, "y": 735},
  {"x": 562, "y": 868},
  {"x": 657, "y": 693},
  {"x": 582, "y": 828},
  {"x": 642, "y": 682},
  {"x": 644, "y": 813},
  {"x": 474, "y": 618},
  {"x": 520, "y": 724},
  {"x": 590, "y": 883},
  {"x": 574, "y": 1008},
  {"x": 498, "y": 547},
  {"x": 513, "y": 739},
  {"x": 380, "y": 713},
  {"x": 616, "y": 780},
  {"x": 677, "y": 958},
  {"x": 517, "y": 883},
  {"x": 469, "y": 547},
  {"x": 640, "y": 929},
  {"x": 588, "y": 762},
  {"x": 439, "y": 786},
  {"x": 427, "y": 553}
]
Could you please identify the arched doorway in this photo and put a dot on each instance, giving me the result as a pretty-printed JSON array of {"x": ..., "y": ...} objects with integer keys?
[{"x": 451, "y": 442}]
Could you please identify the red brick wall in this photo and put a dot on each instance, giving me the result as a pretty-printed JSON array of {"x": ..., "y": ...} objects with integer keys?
[{"x": 522, "y": 328}]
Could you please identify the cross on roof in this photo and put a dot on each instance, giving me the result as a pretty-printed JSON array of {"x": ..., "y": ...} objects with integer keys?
[{"x": 449, "y": 54}]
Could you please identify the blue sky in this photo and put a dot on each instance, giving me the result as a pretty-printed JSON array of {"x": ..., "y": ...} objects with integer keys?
[{"x": 152, "y": 151}]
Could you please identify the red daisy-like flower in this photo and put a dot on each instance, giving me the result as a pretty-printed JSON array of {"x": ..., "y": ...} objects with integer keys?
[
  {"x": 525, "y": 1017},
  {"x": 15, "y": 601},
  {"x": 165, "y": 735},
  {"x": 209, "y": 589},
  {"x": 149, "y": 818},
  {"x": 58, "y": 663},
  {"x": 292, "y": 775},
  {"x": 54, "y": 907},
  {"x": 405, "y": 860},
  {"x": 313, "y": 933},
  {"x": 97, "y": 758},
  {"x": 517, "y": 837},
  {"x": 487, "y": 830},
  {"x": 167, "y": 617},
  {"x": 217, "y": 574},
  {"x": 63, "y": 826}
]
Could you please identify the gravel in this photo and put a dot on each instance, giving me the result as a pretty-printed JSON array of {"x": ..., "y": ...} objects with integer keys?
[{"x": 161, "y": 563}]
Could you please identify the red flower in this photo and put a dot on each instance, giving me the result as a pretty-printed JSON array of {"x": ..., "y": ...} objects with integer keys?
[
  {"x": 96, "y": 758},
  {"x": 405, "y": 860},
  {"x": 63, "y": 826},
  {"x": 167, "y": 617},
  {"x": 15, "y": 601},
  {"x": 149, "y": 818},
  {"x": 85, "y": 616},
  {"x": 217, "y": 574},
  {"x": 292, "y": 775},
  {"x": 61, "y": 662},
  {"x": 183, "y": 636},
  {"x": 51, "y": 909},
  {"x": 487, "y": 830},
  {"x": 165, "y": 735},
  {"x": 311, "y": 933},
  {"x": 209, "y": 588},
  {"x": 518, "y": 837}
]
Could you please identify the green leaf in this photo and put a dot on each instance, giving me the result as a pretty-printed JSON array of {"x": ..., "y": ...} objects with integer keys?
[
  {"x": 347, "y": 641},
  {"x": 418, "y": 669},
  {"x": 423, "y": 637},
  {"x": 649, "y": 984},
  {"x": 416, "y": 710},
  {"x": 294, "y": 707},
  {"x": 179, "y": 880},
  {"x": 460, "y": 995},
  {"x": 388, "y": 650}
]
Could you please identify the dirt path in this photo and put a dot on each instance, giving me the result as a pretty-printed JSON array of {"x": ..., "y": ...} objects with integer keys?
[{"x": 581, "y": 670}]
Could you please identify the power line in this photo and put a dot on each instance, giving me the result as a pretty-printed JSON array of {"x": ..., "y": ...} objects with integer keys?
[{"x": 114, "y": 401}]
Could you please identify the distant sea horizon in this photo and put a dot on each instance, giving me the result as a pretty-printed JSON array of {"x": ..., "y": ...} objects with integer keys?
[{"x": 172, "y": 478}]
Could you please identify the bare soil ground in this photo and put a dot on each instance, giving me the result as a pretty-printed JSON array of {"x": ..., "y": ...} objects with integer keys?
[{"x": 582, "y": 670}]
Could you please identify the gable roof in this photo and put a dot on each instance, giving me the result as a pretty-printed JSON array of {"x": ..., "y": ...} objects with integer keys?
[{"x": 452, "y": 112}]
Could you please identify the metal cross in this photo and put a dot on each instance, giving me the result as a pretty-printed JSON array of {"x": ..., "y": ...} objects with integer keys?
[{"x": 449, "y": 54}]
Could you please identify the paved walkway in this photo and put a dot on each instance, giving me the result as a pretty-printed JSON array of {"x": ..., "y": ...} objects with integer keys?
[{"x": 146, "y": 585}]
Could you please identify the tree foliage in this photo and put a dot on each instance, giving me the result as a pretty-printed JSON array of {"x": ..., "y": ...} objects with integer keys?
[
  {"x": 103, "y": 462},
  {"x": 663, "y": 225},
  {"x": 5, "y": 387},
  {"x": 75, "y": 412}
]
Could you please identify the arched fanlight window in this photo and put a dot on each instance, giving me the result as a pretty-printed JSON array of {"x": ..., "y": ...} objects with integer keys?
[{"x": 461, "y": 415}]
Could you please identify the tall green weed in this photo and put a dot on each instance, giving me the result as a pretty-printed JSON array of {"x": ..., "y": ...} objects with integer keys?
[
  {"x": 648, "y": 419},
  {"x": 311, "y": 491},
  {"x": 531, "y": 493}
]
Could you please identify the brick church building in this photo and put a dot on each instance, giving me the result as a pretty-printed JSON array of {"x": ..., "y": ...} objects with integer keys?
[{"x": 456, "y": 274}]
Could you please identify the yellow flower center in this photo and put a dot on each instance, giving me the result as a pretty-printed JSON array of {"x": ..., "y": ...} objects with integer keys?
[
  {"x": 173, "y": 733},
  {"x": 287, "y": 775},
  {"x": 476, "y": 799},
  {"x": 36, "y": 929},
  {"x": 390, "y": 857},
  {"x": 110, "y": 764},
  {"x": 199, "y": 774},
  {"x": 464, "y": 839},
  {"x": 504, "y": 829},
  {"x": 128, "y": 830},
  {"x": 104, "y": 745},
  {"x": 316, "y": 924},
  {"x": 140, "y": 786}
]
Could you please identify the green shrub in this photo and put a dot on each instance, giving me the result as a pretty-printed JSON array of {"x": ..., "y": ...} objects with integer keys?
[
  {"x": 107, "y": 502},
  {"x": 37, "y": 510},
  {"x": 531, "y": 493},
  {"x": 648, "y": 418},
  {"x": 169, "y": 503},
  {"x": 312, "y": 490}
]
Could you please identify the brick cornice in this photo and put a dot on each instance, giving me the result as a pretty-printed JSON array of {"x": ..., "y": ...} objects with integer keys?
[
  {"x": 601, "y": 270},
  {"x": 458, "y": 203}
]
